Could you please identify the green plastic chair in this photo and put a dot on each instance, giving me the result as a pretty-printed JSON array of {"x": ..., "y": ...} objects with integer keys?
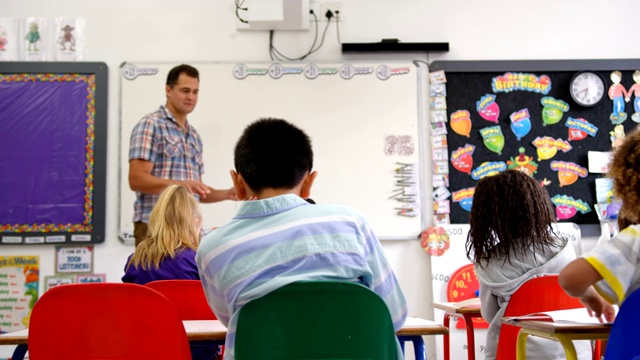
[{"x": 316, "y": 320}]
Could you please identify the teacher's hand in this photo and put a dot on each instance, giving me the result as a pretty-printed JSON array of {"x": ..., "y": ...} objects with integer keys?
[{"x": 196, "y": 187}]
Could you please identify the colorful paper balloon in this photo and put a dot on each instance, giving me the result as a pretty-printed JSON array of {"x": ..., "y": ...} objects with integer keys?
[
  {"x": 551, "y": 115},
  {"x": 466, "y": 203},
  {"x": 488, "y": 108},
  {"x": 461, "y": 123},
  {"x": 435, "y": 241},
  {"x": 575, "y": 134},
  {"x": 463, "y": 164},
  {"x": 546, "y": 152},
  {"x": 494, "y": 143},
  {"x": 567, "y": 177},
  {"x": 564, "y": 212},
  {"x": 521, "y": 128}
]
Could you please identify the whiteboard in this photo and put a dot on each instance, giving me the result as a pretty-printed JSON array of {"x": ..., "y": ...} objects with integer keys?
[{"x": 364, "y": 120}]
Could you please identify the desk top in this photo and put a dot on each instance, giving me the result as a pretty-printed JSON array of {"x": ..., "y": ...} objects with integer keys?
[
  {"x": 214, "y": 330},
  {"x": 558, "y": 327},
  {"x": 457, "y": 308}
]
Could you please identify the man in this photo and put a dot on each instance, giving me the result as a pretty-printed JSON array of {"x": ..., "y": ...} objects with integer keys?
[{"x": 165, "y": 149}]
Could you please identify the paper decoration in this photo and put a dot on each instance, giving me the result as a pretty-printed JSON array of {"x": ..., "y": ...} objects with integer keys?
[
  {"x": 618, "y": 94},
  {"x": 462, "y": 158},
  {"x": 521, "y": 81},
  {"x": 552, "y": 110},
  {"x": 435, "y": 241},
  {"x": 437, "y": 77},
  {"x": 567, "y": 207},
  {"x": 634, "y": 90},
  {"x": 488, "y": 168},
  {"x": 523, "y": 163},
  {"x": 488, "y": 108},
  {"x": 520, "y": 123},
  {"x": 568, "y": 172},
  {"x": 461, "y": 122},
  {"x": 599, "y": 161},
  {"x": 74, "y": 259},
  {"x": 406, "y": 190},
  {"x": 90, "y": 278},
  {"x": 69, "y": 41},
  {"x": 402, "y": 145},
  {"x": 52, "y": 281},
  {"x": 493, "y": 139},
  {"x": 19, "y": 284},
  {"x": 464, "y": 197},
  {"x": 579, "y": 129},
  {"x": 547, "y": 147}
]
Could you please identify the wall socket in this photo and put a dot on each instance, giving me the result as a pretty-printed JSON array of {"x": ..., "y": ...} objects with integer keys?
[{"x": 320, "y": 9}]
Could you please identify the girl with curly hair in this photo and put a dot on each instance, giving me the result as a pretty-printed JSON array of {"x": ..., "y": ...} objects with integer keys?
[
  {"x": 614, "y": 261},
  {"x": 511, "y": 241}
]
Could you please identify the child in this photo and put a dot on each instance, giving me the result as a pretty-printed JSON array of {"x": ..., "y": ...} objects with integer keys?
[
  {"x": 280, "y": 238},
  {"x": 613, "y": 265},
  {"x": 511, "y": 241},
  {"x": 169, "y": 251},
  {"x": 170, "y": 248}
]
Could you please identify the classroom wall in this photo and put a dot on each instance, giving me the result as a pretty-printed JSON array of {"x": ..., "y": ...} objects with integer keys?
[{"x": 199, "y": 30}]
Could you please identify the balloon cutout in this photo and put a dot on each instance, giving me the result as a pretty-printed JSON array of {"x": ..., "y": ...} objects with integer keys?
[
  {"x": 580, "y": 128},
  {"x": 461, "y": 122},
  {"x": 462, "y": 159},
  {"x": 552, "y": 110},
  {"x": 493, "y": 139},
  {"x": 547, "y": 147},
  {"x": 520, "y": 123},
  {"x": 568, "y": 172},
  {"x": 435, "y": 241},
  {"x": 464, "y": 197},
  {"x": 488, "y": 108},
  {"x": 567, "y": 207}
]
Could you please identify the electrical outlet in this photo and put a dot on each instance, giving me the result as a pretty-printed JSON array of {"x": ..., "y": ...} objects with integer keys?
[{"x": 335, "y": 8}]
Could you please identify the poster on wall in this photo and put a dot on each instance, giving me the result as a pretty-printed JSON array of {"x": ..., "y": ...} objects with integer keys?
[
  {"x": 19, "y": 283},
  {"x": 74, "y": 259}
]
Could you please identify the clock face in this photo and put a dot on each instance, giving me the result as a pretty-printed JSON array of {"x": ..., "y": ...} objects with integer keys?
[{"x": 587, "y": 88}]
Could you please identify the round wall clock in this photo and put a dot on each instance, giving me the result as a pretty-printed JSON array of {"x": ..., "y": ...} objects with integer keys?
[{"x": 587, "y": 88}]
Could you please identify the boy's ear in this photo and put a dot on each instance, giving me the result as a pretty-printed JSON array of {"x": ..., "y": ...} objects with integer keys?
[
  {"x": 239, "y": 185},
  {"x": 307, "y": 183}
]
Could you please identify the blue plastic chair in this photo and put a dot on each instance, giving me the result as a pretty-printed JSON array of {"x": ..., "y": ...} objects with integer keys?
[{"x": 623, "y": 340}]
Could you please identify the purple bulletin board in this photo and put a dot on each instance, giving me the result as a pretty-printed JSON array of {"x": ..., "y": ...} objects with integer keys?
[{"x": 52, "y": 152}]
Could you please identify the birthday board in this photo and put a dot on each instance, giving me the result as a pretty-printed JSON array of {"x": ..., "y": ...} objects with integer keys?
[{"x": 540, "y": 117}]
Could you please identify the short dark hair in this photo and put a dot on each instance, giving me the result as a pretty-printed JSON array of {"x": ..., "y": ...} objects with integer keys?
[
  {"x": 174, "y": 74},
  {"x": 272, "y": 153},
  {"x": 511, "y": 215}
]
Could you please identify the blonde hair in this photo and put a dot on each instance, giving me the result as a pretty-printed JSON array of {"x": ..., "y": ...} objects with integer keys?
[{"x": 172, "y": 226}]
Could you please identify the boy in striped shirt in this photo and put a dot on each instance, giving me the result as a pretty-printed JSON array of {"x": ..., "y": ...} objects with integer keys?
[{"x": 279, "y": 238}]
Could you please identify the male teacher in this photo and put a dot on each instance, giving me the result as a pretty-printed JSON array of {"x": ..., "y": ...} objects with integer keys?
[{"x": 165, "y": 149}]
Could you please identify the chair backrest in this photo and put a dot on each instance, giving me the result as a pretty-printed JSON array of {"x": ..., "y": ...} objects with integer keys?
[
  {"x": 187, "y": 296},
  {"x": 536, "y": 295},
  {"x": 106, "y": 321},
  {"x": 316, "y": 320},
  {"x": 623, "y": 340}
]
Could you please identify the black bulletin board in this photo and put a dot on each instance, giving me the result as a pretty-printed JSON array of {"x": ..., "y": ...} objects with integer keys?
[{"x": 468, "y": 81}]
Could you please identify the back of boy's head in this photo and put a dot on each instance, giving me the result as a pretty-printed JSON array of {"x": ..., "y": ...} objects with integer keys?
[
  {"x": 272, "y": 153},
  {"x": 510, "y": 211},
  {"x": 624, "y": 169}
]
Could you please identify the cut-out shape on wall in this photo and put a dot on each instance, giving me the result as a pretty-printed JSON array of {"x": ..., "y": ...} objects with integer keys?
[
  {"x": 523, "y": 163},
  {"x": 522, "y": 82},
  {"x": 635, "y": 91},
  {"x": 579, "y": 129},
  {"x": 488, "y": 168},
  {"x": 568, "y": 172},
  {"x": 461, "y": 122},
  {"x": 488, "y": 108},
  {"x": 520, "y": 123},
  {"x": 552, "y": 110},
  {"x": 435, "y": 241},
  {"x": 616, "y": 136},
  {"x": 464, "y": 197},
  {"x": 618, "y": 94},
  {"x": 547, "y": 147},
  {"x": 462, "y": 158},
  {"x": 567, "y": 207},
  {"x": 493, "y": 139}
]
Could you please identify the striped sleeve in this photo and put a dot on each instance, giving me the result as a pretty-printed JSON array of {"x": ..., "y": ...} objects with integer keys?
[{"x": 615, "y": 260}]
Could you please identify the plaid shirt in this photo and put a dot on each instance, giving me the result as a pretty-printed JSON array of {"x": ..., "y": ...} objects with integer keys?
[{"x": 175, "y": 155}]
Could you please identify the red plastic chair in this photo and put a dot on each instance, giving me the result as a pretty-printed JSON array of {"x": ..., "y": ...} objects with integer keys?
[
  {"x": 536, "y": 295},
  {"x": 187, "y": 296},
  {"x": 106, "y": 321}
]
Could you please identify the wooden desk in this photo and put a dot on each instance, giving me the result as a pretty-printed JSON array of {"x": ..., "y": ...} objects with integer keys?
[
  {"x": 468, "y": 313},
  {"x": 206, "y": 330},
  {"x": 561, "y": 331}
]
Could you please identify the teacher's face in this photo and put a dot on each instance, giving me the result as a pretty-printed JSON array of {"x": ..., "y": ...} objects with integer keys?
[{"x": 183, "y": 96}]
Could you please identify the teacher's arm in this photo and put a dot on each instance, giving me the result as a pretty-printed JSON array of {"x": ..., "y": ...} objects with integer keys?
[
  {"x": 216, "y": 195},
  {"x": 141, "y": 180}
]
